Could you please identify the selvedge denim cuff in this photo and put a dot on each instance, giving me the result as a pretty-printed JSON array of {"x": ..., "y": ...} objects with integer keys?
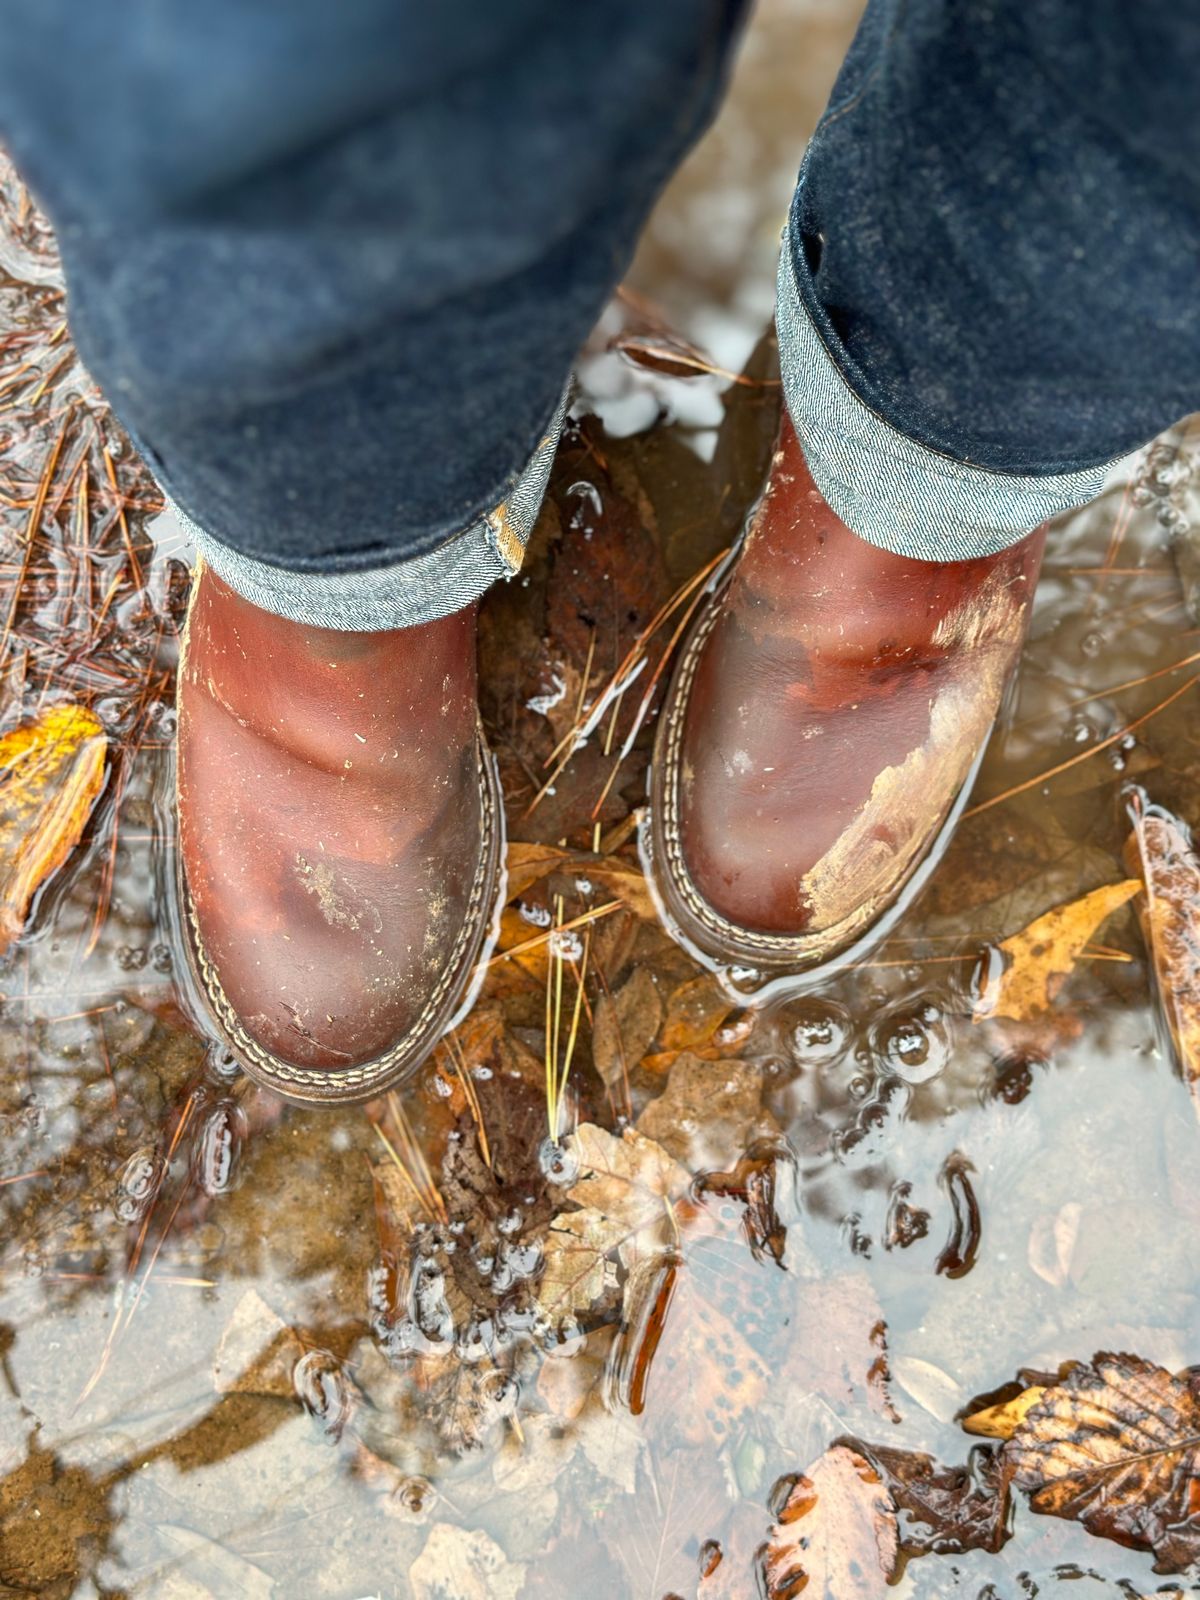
[
  {"x": 892, "y": 491},
  {"x": 404, "y": 593}
]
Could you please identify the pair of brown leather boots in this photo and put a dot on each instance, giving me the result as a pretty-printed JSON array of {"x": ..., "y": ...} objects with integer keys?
[{"x": 341, "y": 829}]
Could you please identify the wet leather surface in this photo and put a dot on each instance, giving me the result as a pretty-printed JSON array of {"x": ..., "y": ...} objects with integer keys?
[
  {"x": 329, "y": 819},
  {"x": 840, "y": 700}
]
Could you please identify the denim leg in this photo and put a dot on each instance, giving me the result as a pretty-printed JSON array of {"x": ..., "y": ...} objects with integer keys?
[
  {"x": 331, "y": 262},
  {"x": 989, "y": 290}
]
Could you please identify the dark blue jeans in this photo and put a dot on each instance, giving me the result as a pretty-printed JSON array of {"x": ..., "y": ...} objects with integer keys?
[{"x": 331, "y": 262}]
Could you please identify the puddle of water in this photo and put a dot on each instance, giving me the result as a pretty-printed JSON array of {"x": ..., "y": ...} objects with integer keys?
[{"x": 251, "y": 1350}]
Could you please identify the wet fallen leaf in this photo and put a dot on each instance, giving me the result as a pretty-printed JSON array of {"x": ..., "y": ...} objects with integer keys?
[
  {"x": 611, "y": 1441},
  {"x": 1001, "y": 1421},
  {"x": 51, "y": 771},
  {"x": 1052, "y": 1241},
  {"x": 709, "y": 1112},
  {"x": 836, "y": 1535},
  {"x": 1116, "y": 1446},
  {"x": 933, "y": 1389},
  {"x": 258, "y": 1352},
  {"x": 836, "y": 1350},
  {"x": 694, "y": 1013},
  {"x": 626, "y": 1025},
  {"x": 1039, "y": 959},
  {"x": 608, "y": 578},
  {"x": 944, "y": 1510},
  {"x": 680, "y": 1359},
  {"x": 625, "y": 1190},
  {"x": 684, "y": 1500},
  {"x": 1161, "y": 848},
  {"x": 467, "y": 1565}
]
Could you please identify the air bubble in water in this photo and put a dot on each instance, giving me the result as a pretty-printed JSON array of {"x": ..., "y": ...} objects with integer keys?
[
  {"x": 557, "y": 1164},
  {"x": 820, "y": 1033},
  {"x": 140, "y": 1179}
]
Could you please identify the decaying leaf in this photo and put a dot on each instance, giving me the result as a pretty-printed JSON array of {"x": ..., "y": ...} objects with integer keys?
[
  {"x": 579, "y": 1273},
  {"x": 625, "y": 1189},
  {"x": 1161, "y": 848},
  {"x": 944, "y": 1510},
  {"x": 51, "y": 772},
  {"x": 680, "y": 1360},
  {"x": 258, "y": 1352},
  {"x": 1116, "y": 1446},
  {"x": 657, "y": 1538},
  {"x": 625, "y": 1026},
  {"x": 709, "y": 1112},
  {"x": 1039, "y": 959},
  {"x": 836, "y": 1535},
  {"x": 837, "y": 1348},
  {"x": 469, "y": 1566}
]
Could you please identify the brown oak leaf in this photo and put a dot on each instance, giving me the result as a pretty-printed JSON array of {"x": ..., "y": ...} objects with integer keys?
[
  {"x": 709, "y": 1112},
  {"x": 625, "y": 1027}
]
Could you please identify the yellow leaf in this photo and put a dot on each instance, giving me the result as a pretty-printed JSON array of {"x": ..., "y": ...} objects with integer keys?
[
  {"x": 51, "y": 771},
  {"x": 1002, "y": 1421},
  {"x": 1039, "y": 959}
]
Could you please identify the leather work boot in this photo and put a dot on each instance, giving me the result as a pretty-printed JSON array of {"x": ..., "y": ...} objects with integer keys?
[
  {"x": 824, "y": 724},
  {"x": 339, "y": 840}
]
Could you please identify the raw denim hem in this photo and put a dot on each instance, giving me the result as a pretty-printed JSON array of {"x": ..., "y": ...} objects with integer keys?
[
  {"x": 891, "y": 490},
  {"x": 405, "y": 593}
]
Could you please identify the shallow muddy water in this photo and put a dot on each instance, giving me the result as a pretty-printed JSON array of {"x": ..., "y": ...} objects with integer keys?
[{"x": 406, "y": 1350}]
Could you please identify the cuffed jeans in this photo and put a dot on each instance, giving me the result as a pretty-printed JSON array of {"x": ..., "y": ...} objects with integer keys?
[{"x": 331, "y": 263}]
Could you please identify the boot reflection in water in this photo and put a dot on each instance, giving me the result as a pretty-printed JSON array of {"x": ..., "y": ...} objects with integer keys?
[{"x": 331, "y": 265}]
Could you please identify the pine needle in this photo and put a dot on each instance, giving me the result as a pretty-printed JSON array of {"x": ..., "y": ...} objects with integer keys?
[{"x": 1084, "y": 755}]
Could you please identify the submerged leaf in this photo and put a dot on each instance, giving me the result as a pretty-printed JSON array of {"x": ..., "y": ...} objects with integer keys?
[
  {"x": 685, "y": 1499},
  {"x": 626, "y": 1025},
  {"x": 709, "y": 1112},
  {"x": 836, "y": 1534},
  {"x": 51, "y": 771},
  {"x": 946, "y": 1510},
  {"x": 1040, "y": 958},
  {"x": 1162, "y": 850},
  {"x": 624, "y": 1190},
  {"x": 467, "y": 1565},
  {"x": 1116, "y": 1446}
]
